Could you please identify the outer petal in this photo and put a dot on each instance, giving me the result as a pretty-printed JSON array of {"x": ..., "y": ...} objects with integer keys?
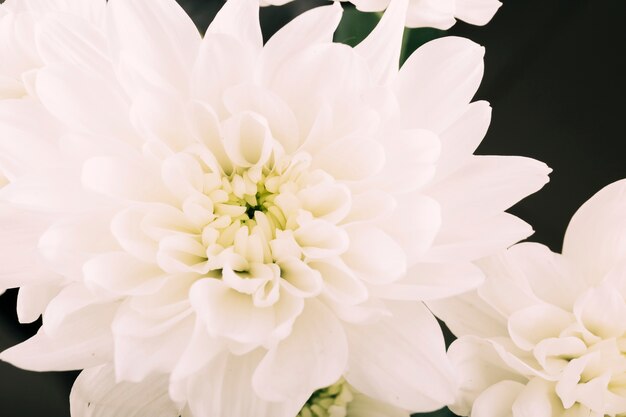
[
  {"x": 33, "y": 299},
  {"x": 468, "y": 314},
  {"x": 497, "y": 400},
  {"x": 364, "y": 406},
  {"x": 431, "y": 13},
  {"x": 460, "y": 140},
  {"x": 596, "y": 236},
  {"x": 97, "y": 394},
  {"x": 239, "y": 19},
  {"x": 78, "y": 343},
  {"x": 314, "y": 26},
  {"x": 496, "y": 182},
  {"x": 423, "y": 85},
  {"x": 160, "y": 33},
  {"x": 477, "y": 367},
  {"x": 472, "y": 241},
  {"x": 401, "y": 359},
  {"x": 383, "y": 46},
  {"x": 125, "y": 178},
  {"x": 26, "y": 146},
  {"x": 64, "y": 38},
  {"x": 427, "y": 281},
  {"x": 230, "y": 314},
  {"x": 476, "y": 12},
  {"x": 312, "y": 357},
  {"x": 374, "y": 255},
  {"x": 163, "y": 333},
  {"x": 223, "y": 389},
  {"x": 21, "y": 262}
]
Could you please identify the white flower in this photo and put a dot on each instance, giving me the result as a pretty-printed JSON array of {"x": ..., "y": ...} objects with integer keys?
[
  {"x": 246, "y": 224},
  {"x": 546, "y": 334},
  {"x": 440, "y": 14}
]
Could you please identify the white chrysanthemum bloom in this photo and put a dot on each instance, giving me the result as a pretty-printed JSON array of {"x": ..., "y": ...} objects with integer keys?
[
  {"x": 546, "y": 334},
  {"x": 440, "y": 14},
  {"x": 228, "y": 227}
]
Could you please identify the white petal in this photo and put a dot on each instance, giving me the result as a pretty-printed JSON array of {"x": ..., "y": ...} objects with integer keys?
[
  {"x": 280, "y": 119},
  {"x": 68, "y": 244},
  {"x": 460, "y": 140},
  {"x": 26, "y": 146},
  {"x": 131, "y": 179},
  {"x": 329, "y": 201},
  {"x": 529, "y": 326},
  {"x": 122, "y": 275},
  {"x": 497, "y": 183},
  {"x": 200, "y": 350},
  {"x": 66, "y": 38},
  {"x": 306, "y": 281},
  {"x": 426, "y": 281},
  {"x": 596, "y": 236},
  {"x": 366, "y": 158},
  {"x": 468, "y": 314},
  {"x": 477, "y": 367},
  {"x": 157, "y": 40},
  {"x": 340, "y": 282},
  {"x": 383, "y": 45},
  {"x": 84, "y": 101},
  {"x": 551, "y": 352},
  {"x": 159, "y": 114},
  {"x": 20, "y": 259},
  {"x": 598, "y": 310},
  {"x": 550, "y": 276},
  {"x": 537, "y": 400},
  {"x": 477, "y": 240},
  {"x": 431, "y": 13},
  {"x": 507, "y": 288},
  {"x": 497, "y": 400},
  {"x": 183, "y": 175},
  {"x": 239, "y": 19},
  {"x": 414, "y": 224},
  {"x": 364, "y": 406},
  {"x": 222, "y": 62},
  {"x": 233, "y": 315},
  {"x": 333, "y": 78},
  {"x": 248, "y": 140},
  {"x": 424, "y": 84},
  {"x": 80, "y": 342},
  {"x": 374, "y": 255},
  {"x": 33, "y": 299},
  {"x": 96, "y": 393},
  {"x": 164, "y": 333},
  {"x": 311, "y": 27},
  {"x": 51, "y": 190},
  {"x": 401, "y": 359},
  {"x": 224, "y": 389},
  {"x": 312, "y": 357},
  {"x": 126, "y": 227},
  {"x": 476, "y": 12},
  {"x": 411, "y": 158},
  {"x": 321, "y": 239}
]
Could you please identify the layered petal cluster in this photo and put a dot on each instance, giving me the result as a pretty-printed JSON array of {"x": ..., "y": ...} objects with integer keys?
[
  {"x": 440, "y": 14},
  {"x": 19, "y": 49},
  {"x": 214, "y": 226},
  {"x": 546, "y": 334}
]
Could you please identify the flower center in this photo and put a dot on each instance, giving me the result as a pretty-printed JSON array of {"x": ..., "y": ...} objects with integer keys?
[{"x": 328, "y": 402}]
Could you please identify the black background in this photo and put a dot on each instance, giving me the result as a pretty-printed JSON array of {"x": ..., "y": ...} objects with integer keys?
[{"x": 555, "y": 76}]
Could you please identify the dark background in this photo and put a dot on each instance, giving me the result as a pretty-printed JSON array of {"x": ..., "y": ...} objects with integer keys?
[{"x": 554, "y": 75}]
